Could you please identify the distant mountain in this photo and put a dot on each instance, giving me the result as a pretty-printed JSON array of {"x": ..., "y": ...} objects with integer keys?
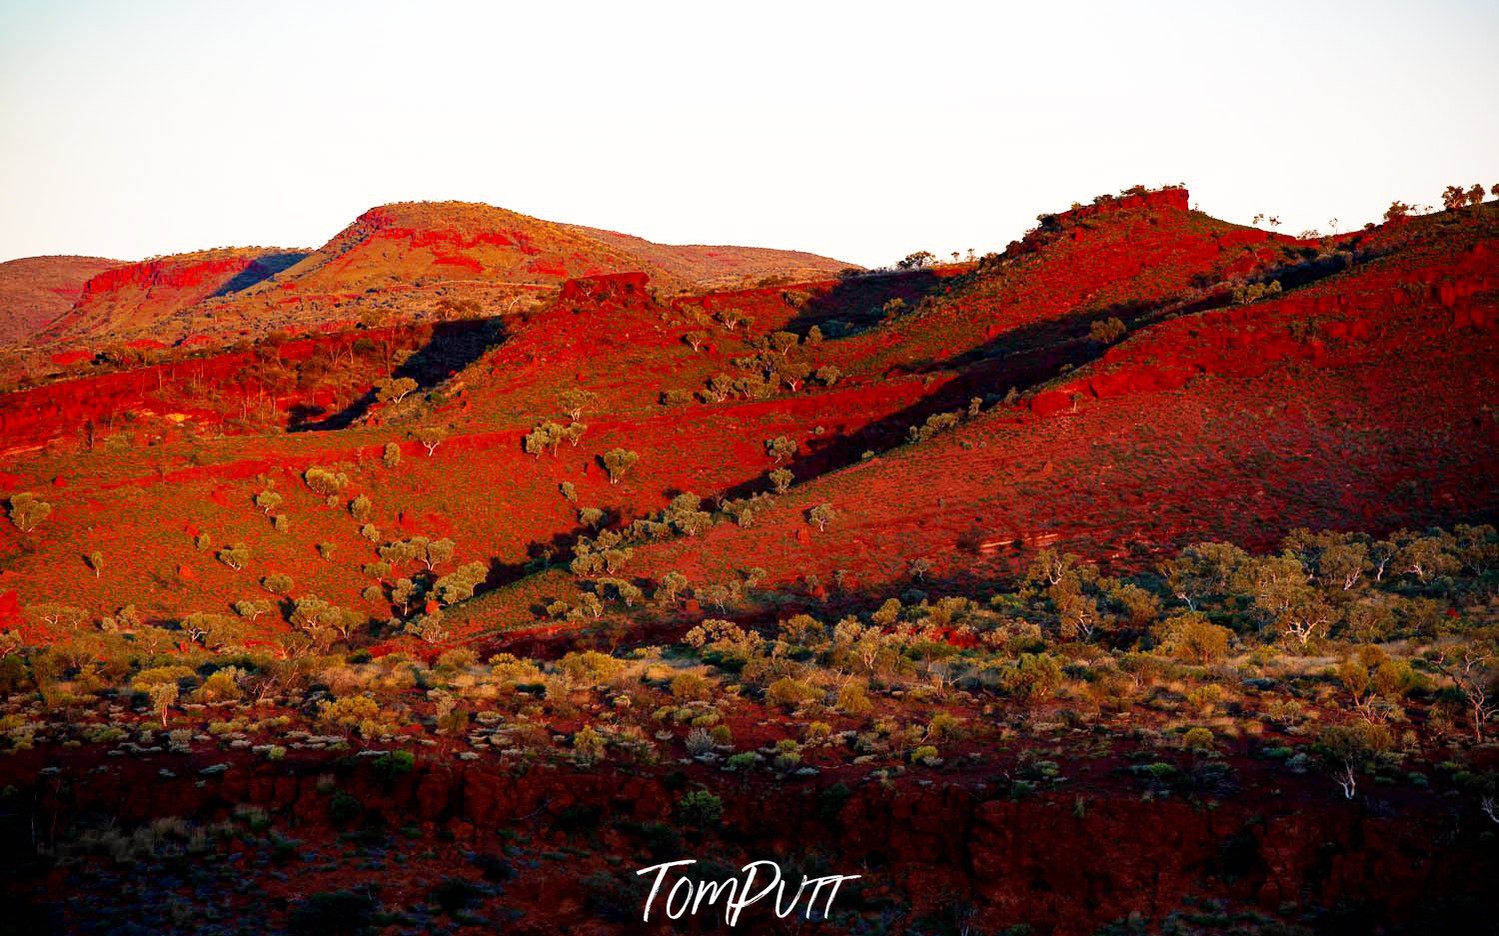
[{"x": 397, "y": 262}]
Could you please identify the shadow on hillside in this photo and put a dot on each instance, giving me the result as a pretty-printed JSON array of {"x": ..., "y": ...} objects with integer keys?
[
  {"x": 262, "y": 269},
  {"x": 452, "y": 347},
  {"x": 857, "y": 303},
  {"x": 1018, "y": 359}
]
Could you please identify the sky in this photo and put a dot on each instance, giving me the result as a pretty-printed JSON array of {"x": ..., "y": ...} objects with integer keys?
[{"x": 862, "y": 131}]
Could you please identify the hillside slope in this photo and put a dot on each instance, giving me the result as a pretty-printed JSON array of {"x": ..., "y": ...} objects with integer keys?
[
  {"x": 36, "y": 290},
  {"x": 396, "y": 263},
  {"x": 131, "y": 300},
  {"x": 977, "y": 421}
]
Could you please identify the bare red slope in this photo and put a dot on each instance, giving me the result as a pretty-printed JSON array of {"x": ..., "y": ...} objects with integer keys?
[{"x": 36, "y": 290}]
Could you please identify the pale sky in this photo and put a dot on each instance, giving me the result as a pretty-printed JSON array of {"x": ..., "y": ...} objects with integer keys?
[{"x": 859, "y": 130}]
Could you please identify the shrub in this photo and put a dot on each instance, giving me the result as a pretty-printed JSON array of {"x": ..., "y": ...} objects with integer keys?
[
  {"x": 699, "y": 742},
  {"x": 393, "y": 764},
  {"x": 1107, "y": 331},
  {"x": 1032, "y": 679},
  {"x": 1198, "y": 739},
  {"x": 589, "y": 745},
  {"x": 791, "y": 692},
  {"x": 220, "y": 686},
  {"x": 590, "y": 666},
  {"x": 344, "y": 808},
  {"x": 700, "y": 808},
  {"x": 392, "y": 455},
  {"x": 690, "y": 687},
  {"x": 744, "y": 760},
  {"x": 853, "y": 699},
  {"x": 350, "y": 713}
]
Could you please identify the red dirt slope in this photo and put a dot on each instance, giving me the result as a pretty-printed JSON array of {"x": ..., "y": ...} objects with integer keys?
[{"x": 36, "y": 290}]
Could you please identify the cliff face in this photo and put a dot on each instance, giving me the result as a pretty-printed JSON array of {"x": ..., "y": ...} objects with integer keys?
[
  {"x": 1046, "y": 861},
  {"x": 130, "y": 299}
]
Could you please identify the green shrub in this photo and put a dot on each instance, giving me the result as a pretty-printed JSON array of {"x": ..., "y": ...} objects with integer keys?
[{"x": 700, "y": 808}]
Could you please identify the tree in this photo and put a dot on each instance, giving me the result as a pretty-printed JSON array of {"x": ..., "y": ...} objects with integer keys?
[
  {"x": 1347, "y": 749},
  {"x": 546, "y": 435},
  {"x": 780, "y": 448},
  {"x": 590, "y": 517},
  {"x": 783, "y": 341},
  {"x": 361, "y": 507},
  {"x": 429, "y": 627},
  {"x": 433, "y": 553},
  {"x": 253, "y": 609},
  {"x": 696, "y": 339},
  {"x": 96, "y": 562},
  {"x": 27, "y": 511},
  {"x": 670, "y": 587},
  {"x": 821, "y": 515},
  {"x": 618, "y": 462},
  {"x": 325, "y": 481},
  {"x": 459, "y": 585},
  {"x": 161, "y": 684},
  {"x": 1471, "y": 667},
  {"x": 1192, "y": 637},
  {"x": 392, "y": 455},
  {"x": 268, "y": 501},
  {"x": 575, "y": 400},
  {"x": 1305, "y": 618},
  {"x": 781, "y": 479},
  {"x": 234, "y": 556},
  {"x": 1032, "y": 679},
  {"x": 394, "y": 390},
  {"x": 732, "y": 320},
  {"x": 277, "y": 583},
  {"x": 1370, "y": 676},
  {"x": 431, "y": 437},
  {"x": 1454, "y": 197},
  {"x": 793, "y": 373},
  {"x": 917, "y": 260}
]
